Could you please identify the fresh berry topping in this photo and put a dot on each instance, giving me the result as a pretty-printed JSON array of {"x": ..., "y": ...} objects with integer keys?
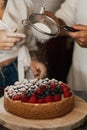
[
  {"x": 24, "y": 98},
  {"x": 42, "y": 87},
  {"x": 48, "y": 99},
  {"x": 63, "y": 85},
  {"x": 41, "y": 100},
  {"x": 16, "y": 97},
  {"x": 32, "y": 99},
  {"x": 57, "y": 98},
  {"x": 52, "y": 85},
  {"x": 67, "y": 94},
  {"x": 38, "y": 91}
]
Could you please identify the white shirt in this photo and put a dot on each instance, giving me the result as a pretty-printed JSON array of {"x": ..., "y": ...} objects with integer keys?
[
  {"x": 4, "y": 55},
  {"x": 75, "y": 12},
  {"x": 51, "y": 5},
  {"x": 15, "y": 12}
]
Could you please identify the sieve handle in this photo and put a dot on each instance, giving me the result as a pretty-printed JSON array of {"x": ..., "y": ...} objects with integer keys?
[{"x": 68, "y": 28}]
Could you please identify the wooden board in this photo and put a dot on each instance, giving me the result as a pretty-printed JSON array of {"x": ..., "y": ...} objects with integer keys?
[{"x": 67, "y": 122}]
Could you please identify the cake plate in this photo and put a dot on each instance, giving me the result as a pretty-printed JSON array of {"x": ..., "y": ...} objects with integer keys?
[{"x": 68, "y": 122}]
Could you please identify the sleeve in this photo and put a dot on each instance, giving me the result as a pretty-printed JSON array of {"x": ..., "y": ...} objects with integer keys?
[{"x": 67, "y": 11}]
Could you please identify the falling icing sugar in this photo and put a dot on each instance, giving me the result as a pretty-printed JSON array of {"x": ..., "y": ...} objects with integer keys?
[{"x": 43, "y": 28}]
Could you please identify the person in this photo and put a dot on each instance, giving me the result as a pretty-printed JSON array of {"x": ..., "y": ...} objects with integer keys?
[
  {"x": 73, "y": 13},
  {"x": 49, "y": 61},
  {"x": 15, "y": 58},
  {"x": 50, "y": 5}
]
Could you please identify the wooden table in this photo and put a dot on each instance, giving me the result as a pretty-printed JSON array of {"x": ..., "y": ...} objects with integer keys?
[{"x": 68, "y": 122}]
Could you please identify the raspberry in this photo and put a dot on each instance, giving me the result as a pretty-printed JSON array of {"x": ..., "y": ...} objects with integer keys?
[
  {"x": 48, "y": 99},
  {"x": 43, "y": 87},
  {"x": 38, "y": 91},
  {"x": 24, "y": 98},
  {"x": 52, "y": 85},
  {"x": 65, "y": 90},
  {"x": 16, "y": 97},
  {"x": 67, "y": 94},
  {"x": 32, "y": 99},
  {"x": 41, "y": 100},
  {"x": 63, "y": 85},
  {"x": 57, "y": 97}
]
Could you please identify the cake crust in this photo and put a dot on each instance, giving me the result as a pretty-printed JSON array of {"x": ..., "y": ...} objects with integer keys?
[{"x": 39, "y": 111}]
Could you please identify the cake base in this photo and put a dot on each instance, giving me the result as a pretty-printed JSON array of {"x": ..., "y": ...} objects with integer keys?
[
  {"x": 39, "y": 111},
  {"x": 68, "y": 122}
]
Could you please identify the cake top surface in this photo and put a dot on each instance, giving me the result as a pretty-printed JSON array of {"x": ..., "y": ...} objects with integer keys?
[{"x": 38, "y": 90}]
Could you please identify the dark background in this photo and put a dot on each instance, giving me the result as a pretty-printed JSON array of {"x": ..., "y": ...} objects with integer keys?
[{"x": 59, "y": 57}]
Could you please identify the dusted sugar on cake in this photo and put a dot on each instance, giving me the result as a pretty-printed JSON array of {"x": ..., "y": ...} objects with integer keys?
[{"x": 39, "y": 98}]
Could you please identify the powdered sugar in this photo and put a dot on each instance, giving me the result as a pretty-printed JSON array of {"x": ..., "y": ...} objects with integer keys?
[
  {"x": 43, "y": 27},
  {"x": 38, "y": 34}
]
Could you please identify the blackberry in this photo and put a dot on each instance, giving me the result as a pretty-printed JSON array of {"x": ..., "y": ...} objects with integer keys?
[{"x": 53, "y": 93}]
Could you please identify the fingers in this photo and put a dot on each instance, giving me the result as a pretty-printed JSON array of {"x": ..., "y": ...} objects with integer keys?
[
  {"x": 80, "y": 27},
  {"x": 78, "y": 34},
  {"x": 15, "y": 35},
  {"x": 6, "y": 46},
  {"x": 37, "y": 73},
  {"x": 14, "y": 40},
  {"x": 38, "y": 69},
  {"x": 8, "y": 38},
  {"x": 41, "y": 71},
  {"x": 74, "y": 35},
  {"x": 82, "y": 43},
  {"x": 11, "y": 34}
]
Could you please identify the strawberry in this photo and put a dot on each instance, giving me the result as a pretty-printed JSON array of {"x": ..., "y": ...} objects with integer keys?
[
  {"x": 63, "y": 85},
  {"x": 57, "y": 97},
  {"x": 65, "y": 89},
  {"x": 41, "y": 100},
  {"x": 32, "y": 99},
  {"x": 16, "y": 97},
  {"x": 43, "y": 87},
  {"x": 38, "y": 91},
  {"x": 67, "y": 94},
  {"x": 52, "y": 85},
  {"x": 48, "y": 99},
  {"x": 24, "y": 98}
]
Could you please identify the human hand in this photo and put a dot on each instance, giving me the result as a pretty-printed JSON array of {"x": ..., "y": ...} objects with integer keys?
[
  {"x": 39, "y": 70},
  {"x": 8, "y": 39},
  {"x": 81, "y": 35}
]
